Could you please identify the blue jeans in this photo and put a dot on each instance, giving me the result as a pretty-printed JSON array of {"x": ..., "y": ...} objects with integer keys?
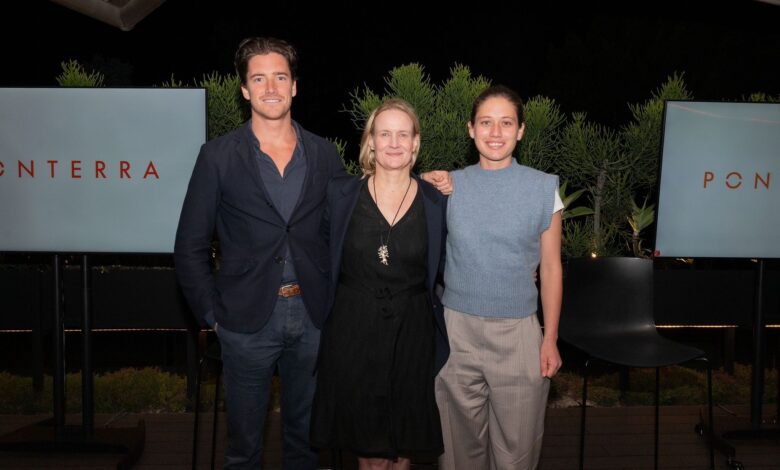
[{"x": 291, "y": 340}]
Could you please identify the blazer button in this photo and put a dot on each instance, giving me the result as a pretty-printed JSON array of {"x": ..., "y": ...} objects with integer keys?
[
  {"x": 278, "y": 259},
  {"x": 288, "y": 229}
]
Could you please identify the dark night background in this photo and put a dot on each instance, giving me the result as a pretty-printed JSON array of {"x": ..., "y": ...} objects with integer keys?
[{"x": 594, "y": 58}]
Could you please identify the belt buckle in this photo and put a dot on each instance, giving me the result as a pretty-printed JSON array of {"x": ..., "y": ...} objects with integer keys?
[{"x": 289, "y": 290}]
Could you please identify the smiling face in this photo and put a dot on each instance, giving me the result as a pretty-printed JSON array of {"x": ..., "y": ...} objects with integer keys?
[
  {"x": 269, "y": 86},
  {"x": 394, "y": 140},
  {"x": 496, "y": 130}
]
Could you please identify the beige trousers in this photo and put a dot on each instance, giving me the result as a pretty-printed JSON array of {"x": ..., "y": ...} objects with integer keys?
[{"x": 491, "y": 393}]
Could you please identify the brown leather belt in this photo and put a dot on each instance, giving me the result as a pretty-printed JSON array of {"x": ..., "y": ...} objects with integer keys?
[{"x": 290, "y": 290}]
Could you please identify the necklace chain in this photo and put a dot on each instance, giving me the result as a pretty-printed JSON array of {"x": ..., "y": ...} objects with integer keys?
[{"x": 383, "y": 252}]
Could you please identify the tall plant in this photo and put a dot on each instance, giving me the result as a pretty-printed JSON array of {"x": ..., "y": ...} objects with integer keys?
[
  {"x": 540, "y": 145},
  {"x": 639, "y": 219},
  {"x": 443, "y": 110},
  {"x": 592, "y": 157},
  {"x": 642, "y": 136},
  {"x": 613, "y": 166}
]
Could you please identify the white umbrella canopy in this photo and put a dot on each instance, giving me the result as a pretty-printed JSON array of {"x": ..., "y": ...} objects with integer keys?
[{"x": 123, "y": 14}]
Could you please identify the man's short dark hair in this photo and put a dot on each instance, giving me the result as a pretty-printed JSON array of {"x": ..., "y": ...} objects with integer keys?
[{"x": 253, "y": 46}]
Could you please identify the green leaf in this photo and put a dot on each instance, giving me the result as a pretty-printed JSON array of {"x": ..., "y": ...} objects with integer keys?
[{"x": 577, "y": 212}]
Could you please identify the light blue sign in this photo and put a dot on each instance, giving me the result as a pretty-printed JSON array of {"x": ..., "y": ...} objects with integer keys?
[
  {"x": 719, "y": 193},
  {"x": 90, "y": 170}
]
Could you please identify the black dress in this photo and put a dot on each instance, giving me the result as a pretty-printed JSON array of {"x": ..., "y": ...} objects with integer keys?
[{"x": 375, "y": 386}]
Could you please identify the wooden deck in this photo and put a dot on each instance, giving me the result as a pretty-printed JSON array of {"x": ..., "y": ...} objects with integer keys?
[{"x": 617, "y": 438}]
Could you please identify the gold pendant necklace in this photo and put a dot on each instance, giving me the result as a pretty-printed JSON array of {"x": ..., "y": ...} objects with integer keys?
[{"x": 383, "y": 252}]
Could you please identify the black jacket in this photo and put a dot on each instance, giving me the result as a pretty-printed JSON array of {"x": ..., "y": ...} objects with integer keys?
[
  {"x": 343, "y": 195},
  {"x": 227, "y": 194}
]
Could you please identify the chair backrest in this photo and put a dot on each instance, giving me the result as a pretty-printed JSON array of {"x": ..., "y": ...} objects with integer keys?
[{"x": 603, "y": 296}]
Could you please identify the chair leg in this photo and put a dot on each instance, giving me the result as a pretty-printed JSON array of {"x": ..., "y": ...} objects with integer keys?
[
  {"x": 708, "y": 431},
  {"x": 777, "y": 372},
  {"x": 709, "y": 413},
  {"x": 582, "y": 414},
  {"x": 197, "y": 415},
  {"x": 657, "y": 431},
  {"x": 335, "y": 457},
  {"x": 216, "y": 416}
]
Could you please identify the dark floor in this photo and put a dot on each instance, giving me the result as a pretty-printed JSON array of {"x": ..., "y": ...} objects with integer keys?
[{"x": 617, "y": 438}]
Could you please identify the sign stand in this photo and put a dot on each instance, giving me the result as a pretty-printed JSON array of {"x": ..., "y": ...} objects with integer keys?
[
  {"x": 757, "y": 429},
  {"x": 53, "y": 435}
]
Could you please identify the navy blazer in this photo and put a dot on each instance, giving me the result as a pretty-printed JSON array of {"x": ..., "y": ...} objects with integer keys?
[
  {"x": 343, "y": 195},
  {"x": 227, "y": 194}
]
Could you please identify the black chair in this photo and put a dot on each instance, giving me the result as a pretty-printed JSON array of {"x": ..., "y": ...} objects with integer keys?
[
  {"x": 214, "y": 355},
  {"x": 608, "y": 314}
]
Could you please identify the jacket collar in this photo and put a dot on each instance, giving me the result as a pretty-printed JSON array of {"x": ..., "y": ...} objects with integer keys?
[{"x": 248, "y": 146}]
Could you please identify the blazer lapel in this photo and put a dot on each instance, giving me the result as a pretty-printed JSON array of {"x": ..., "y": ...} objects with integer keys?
[
  {"x": 434, "y": 223},
  {"x": 248, "y": 160},
  {"x": 309, "y": 151}
]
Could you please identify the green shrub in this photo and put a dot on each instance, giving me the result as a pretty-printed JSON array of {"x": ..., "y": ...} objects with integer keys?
[
  {"x": 606, "y": 380},
  {"x": 443, "y": 110},
  {"x": 151, "y": 390},
  {"x": 540, "y": 144},
  {"x": 732, "y": 388},
  {"x": 75, "y": 75},
  {"x": 679, "y": 386},
  {"x": 133, "y": 390},
  {"x": 635, "y": 398},
  {"x": 136, "y": 390},
  {"x": 566, "y": 384},
  {"x": 16, "y": 395},
  {"x": 603, "y": 396}
]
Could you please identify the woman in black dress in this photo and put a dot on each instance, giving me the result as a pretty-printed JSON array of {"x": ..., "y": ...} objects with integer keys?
[{"x": 385, "y": 338}]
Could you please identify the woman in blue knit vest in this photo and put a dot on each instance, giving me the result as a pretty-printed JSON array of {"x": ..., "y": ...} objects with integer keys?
[{"x": 503, "y": 221}]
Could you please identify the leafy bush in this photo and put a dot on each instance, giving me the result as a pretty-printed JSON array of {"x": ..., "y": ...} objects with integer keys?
[
  {"x": 133, "y": 390},
  {"x": 603, "y": 396},
  {"x": 16, "y": 396},
  {"x": 75, "y": 75},
  {"x": 443, "y": 110},
  {"x": 150, "y": 390},
  {"x": 679, "y": 386}
]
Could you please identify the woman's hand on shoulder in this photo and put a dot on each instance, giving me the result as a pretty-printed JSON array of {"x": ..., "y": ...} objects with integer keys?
[{"x": 440, "y": 179}]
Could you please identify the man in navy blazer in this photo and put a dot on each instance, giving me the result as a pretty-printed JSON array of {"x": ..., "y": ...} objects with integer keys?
[{"x": 261, "y": 187}]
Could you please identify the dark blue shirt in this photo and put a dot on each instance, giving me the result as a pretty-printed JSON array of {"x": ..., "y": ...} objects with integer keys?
[{"x": 284, "y": 190}]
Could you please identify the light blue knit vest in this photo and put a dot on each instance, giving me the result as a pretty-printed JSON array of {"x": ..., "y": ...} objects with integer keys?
[{"x": 495, "y": 219}]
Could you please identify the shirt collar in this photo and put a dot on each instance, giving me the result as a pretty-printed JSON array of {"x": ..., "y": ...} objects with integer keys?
[{"x": 298, "y": 134}]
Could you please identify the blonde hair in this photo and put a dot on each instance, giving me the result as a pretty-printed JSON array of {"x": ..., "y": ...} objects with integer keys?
[{"x": 367, "y": 157}]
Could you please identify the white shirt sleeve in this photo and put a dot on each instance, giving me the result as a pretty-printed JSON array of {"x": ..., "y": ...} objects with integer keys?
[{"x": 558, "y": 205}]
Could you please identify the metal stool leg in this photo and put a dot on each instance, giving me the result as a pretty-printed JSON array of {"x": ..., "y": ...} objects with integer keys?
[
  {"x": 216, "y": 410},
  {"x": 657, "y": 430},
  {"x": 212, "y": 353},
  {"x": 582, "y": 414},
  {"x": 709, "y": 412},
  {"x": 197, "y": 415}
]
